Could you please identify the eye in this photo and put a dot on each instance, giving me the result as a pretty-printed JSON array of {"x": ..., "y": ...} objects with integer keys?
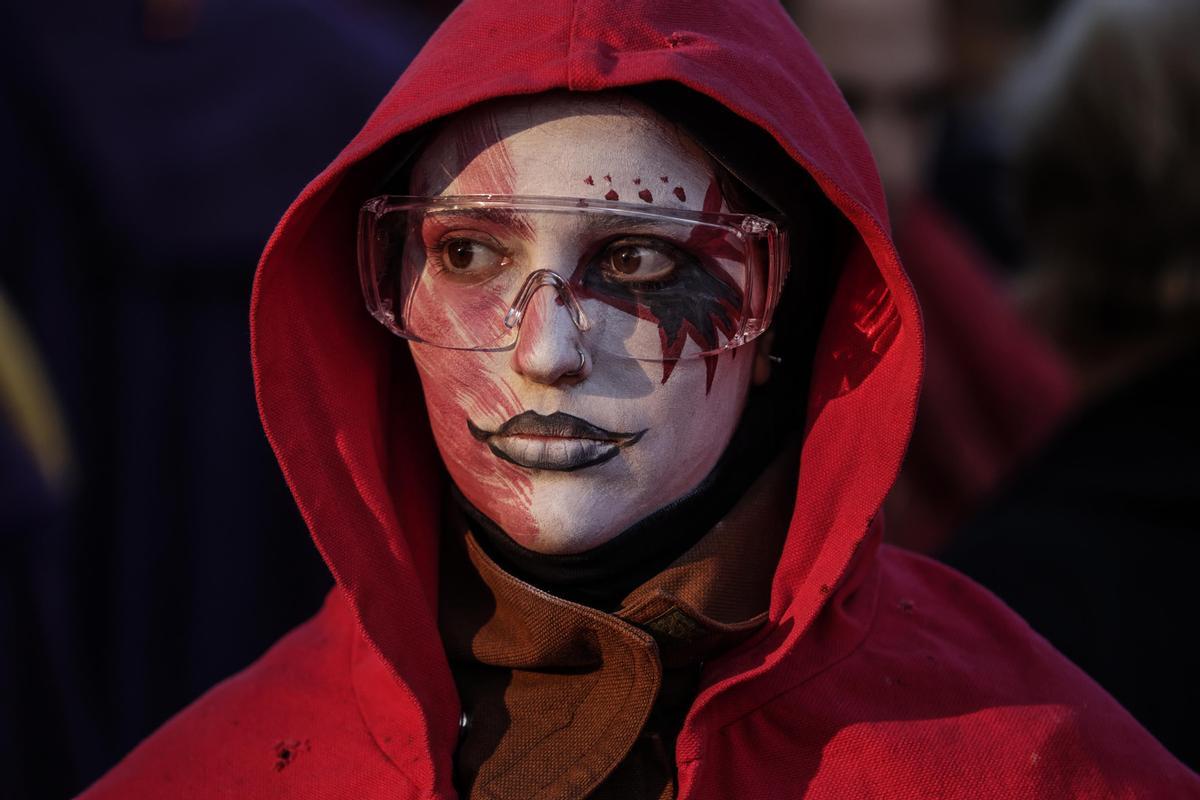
[
  {"x": 641, "y": 261},
  {"x": 468, "y": 255}
]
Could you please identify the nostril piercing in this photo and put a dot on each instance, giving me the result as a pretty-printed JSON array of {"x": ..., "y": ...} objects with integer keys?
[{"x": 582, "y": 361}]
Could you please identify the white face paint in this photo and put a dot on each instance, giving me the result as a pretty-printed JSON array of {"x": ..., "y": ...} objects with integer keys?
[{"x": 529, "y": 479}]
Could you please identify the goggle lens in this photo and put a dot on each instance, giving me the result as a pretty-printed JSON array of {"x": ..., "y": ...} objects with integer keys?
[{"x": 661, "y": 284}]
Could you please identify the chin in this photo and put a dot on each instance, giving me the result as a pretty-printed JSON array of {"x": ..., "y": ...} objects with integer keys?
[{"x": 573, "y": 518}]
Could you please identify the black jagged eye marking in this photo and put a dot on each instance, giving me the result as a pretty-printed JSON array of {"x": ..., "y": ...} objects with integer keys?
[{"x": 699, "y": 303}]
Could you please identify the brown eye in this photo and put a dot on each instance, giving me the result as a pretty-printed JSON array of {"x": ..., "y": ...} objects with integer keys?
[
  {"x": 626, "y": 260},
  {"x": 636, "y": 262},
  {"x": 468, "y": 255},
  {"x": 460, "y": 254}
]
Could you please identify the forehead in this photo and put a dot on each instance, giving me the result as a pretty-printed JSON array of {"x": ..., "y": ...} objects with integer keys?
[{"x": 592, "y": 146}]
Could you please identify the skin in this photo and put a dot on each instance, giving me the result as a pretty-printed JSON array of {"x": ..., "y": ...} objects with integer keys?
[
  {"x": 889, "y": 58},
  {"x": 589, "y": 146}
]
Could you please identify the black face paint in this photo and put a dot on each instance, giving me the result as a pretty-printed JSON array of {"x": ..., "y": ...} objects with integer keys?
[{"x": 700, "y": 301}]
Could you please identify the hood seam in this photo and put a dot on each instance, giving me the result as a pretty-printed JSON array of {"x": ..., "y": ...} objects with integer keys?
[{"x": 569, "y": 66}]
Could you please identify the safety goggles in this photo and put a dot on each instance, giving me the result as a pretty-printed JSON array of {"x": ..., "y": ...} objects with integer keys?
[{"x": 651, "y": 284}]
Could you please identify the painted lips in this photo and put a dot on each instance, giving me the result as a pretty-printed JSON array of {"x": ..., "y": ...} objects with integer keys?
[{"x": 558, "y": 441}]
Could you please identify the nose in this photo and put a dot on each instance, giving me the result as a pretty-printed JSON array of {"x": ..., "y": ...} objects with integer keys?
[{"x": 549, "y": 347}]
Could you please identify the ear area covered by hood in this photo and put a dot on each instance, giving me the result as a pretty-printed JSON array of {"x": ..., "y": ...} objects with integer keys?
[{"x": 339, "y": 396}]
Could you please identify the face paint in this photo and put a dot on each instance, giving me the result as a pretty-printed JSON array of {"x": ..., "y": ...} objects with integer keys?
[
  {"x": 558, "y": 441},
  {"x": 565, "y": 447},
  {"x": 699, "y": 303}
]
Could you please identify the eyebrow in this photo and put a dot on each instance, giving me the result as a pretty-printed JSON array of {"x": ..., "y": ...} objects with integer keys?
[
  {"x": 519, "y": 219},
  {"x": 507, "y": 217}
]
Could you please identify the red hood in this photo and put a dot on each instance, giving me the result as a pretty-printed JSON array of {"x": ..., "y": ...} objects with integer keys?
[{"x": 339, "y": 397}]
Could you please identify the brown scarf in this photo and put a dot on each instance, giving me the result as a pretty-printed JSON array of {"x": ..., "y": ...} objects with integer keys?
[{"x": 563, "y": 701}]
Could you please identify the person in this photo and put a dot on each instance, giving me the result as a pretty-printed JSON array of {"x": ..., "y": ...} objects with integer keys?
[
  {"x": 1093, "y": 542},
  {"x": 598, "y": 474},
  {"x": 993, "y": 389}
]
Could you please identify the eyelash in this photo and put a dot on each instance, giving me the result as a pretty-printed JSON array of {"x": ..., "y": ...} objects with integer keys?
[
  {"x": 433, "y": 253},
  {"x": 678, "y": 255}
]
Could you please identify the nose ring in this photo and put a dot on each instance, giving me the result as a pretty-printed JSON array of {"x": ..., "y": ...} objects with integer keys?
[{"x": 582, "y": 361}]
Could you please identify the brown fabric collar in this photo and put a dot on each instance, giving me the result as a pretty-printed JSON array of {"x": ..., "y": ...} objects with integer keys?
[{"x": 557, "y": 693}]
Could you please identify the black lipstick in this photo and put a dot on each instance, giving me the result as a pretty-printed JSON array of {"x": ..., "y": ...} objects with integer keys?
[{"x": 556, "y": 441}]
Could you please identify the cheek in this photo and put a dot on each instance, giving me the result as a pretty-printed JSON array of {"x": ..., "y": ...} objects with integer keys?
[
  {"x": 459, "y": 386},
  {"x": 697, "y": 425}
]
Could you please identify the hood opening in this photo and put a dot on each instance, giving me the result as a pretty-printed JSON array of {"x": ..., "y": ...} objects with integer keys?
[
  {"x": 820, "y": 236},
  {"x": 340, "y": 399}
]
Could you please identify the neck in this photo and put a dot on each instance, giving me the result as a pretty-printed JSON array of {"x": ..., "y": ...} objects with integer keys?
[{"x": 603, "y": 576}]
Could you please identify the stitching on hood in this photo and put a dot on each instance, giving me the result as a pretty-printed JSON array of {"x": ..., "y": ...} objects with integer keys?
[{"x": 570, "y": 63}]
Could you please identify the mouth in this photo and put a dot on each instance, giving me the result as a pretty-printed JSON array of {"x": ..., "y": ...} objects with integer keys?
[{"x": 556, "y": 442}]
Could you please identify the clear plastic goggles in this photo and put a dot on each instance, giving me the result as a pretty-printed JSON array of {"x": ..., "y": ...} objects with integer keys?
[{"x": 645, "y": 283}]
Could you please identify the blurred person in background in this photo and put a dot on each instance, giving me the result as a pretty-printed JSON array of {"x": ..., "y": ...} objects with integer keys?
[
  {"x": 1096, "y": 542},
  {"x": 148, "y": 149},
  {"x": 993, "y": 388},
  {"x": 971, "y": 173}
]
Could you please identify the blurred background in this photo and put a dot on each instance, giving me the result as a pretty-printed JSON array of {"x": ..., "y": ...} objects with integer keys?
[
  {"x": 148, "y": 545},
  {"x": 1042, "y": 168}
]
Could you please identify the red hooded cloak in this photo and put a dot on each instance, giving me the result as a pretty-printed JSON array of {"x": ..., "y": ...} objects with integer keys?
[{"x": 879, "y": 673}]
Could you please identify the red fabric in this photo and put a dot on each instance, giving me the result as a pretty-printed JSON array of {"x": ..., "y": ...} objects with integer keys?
[
  {"x": 993, "y": 390},
  {"x": 879, "y": 673}
]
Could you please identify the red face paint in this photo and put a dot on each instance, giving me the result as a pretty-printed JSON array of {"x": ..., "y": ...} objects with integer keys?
[
  {"x": 466, "y": 385},
  {"x": 479, "y": 162},
  {"x": 612, "y": 195},
  {"x": 681, "y": 194},
  {"x": 646, "y": 196},
  {"x": 703, "y": 304},
  {"x": 481, "y": 148}
]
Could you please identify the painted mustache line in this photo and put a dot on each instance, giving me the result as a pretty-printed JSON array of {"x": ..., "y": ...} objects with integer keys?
[{"x": 557, "y": 442}]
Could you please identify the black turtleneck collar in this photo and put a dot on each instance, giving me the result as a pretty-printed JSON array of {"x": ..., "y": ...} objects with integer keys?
[{"x": 603, "y": 576}]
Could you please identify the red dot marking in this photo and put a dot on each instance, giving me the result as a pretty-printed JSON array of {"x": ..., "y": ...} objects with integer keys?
[
  {"x": 663, "y": 178},
  {"x": 681, "y": 194},
  {"x": 637, "y": 181},
  {"x": 645, "y": 195},
  {"x": 588, "y": 180},
  {"x": 608, "y": 178},
  {"x": 612, "y": 195}
]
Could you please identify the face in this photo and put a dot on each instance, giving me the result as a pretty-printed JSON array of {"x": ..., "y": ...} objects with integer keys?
[
  {"x": 888, "y": 57},
  {"x": 562, "y": 442}
]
